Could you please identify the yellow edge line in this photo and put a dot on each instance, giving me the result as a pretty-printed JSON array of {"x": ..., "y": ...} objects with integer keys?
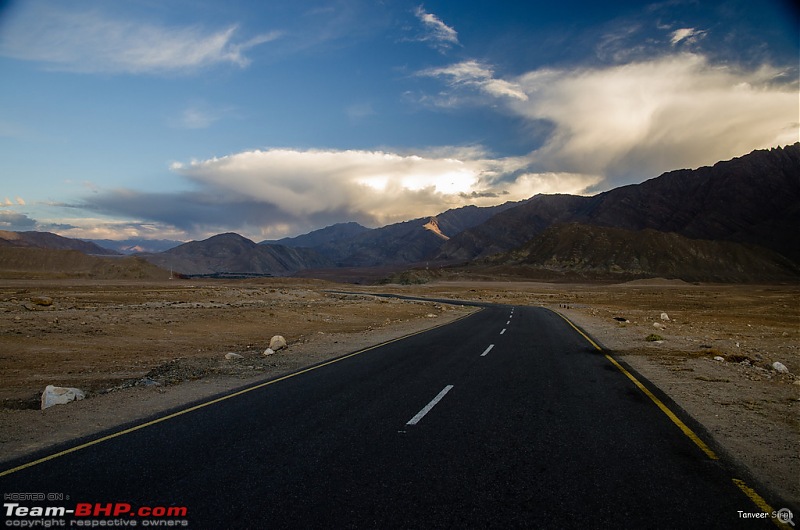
[
  {"x": 218, "y": 400},
  {"x": 671, "y": 415},
  {"x": 759, "y": 501}
]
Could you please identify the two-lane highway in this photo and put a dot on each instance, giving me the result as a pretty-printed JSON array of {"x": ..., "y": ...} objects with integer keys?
[{"x": 507, "y": 418}]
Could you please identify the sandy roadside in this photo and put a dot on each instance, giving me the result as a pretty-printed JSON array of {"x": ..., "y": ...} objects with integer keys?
[{"x": 24, "y": 431}]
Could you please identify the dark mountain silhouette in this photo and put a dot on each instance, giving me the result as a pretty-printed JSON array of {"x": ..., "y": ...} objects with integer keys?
[
  {"x": 511, "y": 228},
  {"x": 753, "y": 199},
  {"x": 51, "y": 241},
  {"x": 232, "y": 253}
]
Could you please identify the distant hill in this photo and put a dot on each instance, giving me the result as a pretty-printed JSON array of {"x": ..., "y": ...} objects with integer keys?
[
  {"x": 753, "y": 199},
  {"x": 232, "y": 253},
  {"x": 409, "y": 241},
  {"x": 323, "y": 236},
  {"x": 136, "y": 245},
  {"x": 598, "y": 252},
  {"x": 40, "y": 263},
  {"x": 51, "y": 241}
]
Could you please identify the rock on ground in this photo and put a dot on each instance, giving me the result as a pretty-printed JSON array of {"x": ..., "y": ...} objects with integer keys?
[
  {"x": 277, "y": 343},
  {"x": 58, "y": 395}
]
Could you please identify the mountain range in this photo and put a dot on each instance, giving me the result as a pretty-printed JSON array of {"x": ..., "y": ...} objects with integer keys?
[
  {"x": 753, "y": 199},
  {"x": 51, "y": 241},
  {"x": 734, "y": 221}
]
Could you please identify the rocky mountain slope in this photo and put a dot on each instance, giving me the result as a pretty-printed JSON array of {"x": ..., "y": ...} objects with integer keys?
[
  {"x": 579, "y": 250},
  {"x": 752, "y": 199},
  {"x": 407, "y": 242},
  {"x": 323, "y": 236}
]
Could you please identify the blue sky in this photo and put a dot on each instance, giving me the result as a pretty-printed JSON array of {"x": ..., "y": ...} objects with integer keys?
[{"x": 185, "y": 119}]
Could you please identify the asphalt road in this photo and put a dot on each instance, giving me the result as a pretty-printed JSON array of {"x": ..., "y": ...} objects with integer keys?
[{"x": 506, "y": 419}]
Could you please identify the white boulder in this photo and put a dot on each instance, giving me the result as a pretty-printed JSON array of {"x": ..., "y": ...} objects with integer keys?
[
  {"x": 269, "y": 351},
  {"x": 277, "y": 343},
  {"x": 232, "y": 356},
  {"x": 780, "y": 368},
  {"x": 665, "y": 317},
  {"x": 719, "y": 358},
  {"x": 659, "y": 325},
  {"x": 59, "y": 395}
]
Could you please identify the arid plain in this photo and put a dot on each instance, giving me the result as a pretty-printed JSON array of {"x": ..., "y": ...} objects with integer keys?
[{"x": 141, "y": 347}]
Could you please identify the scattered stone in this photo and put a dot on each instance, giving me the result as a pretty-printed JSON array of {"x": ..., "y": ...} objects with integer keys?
[
  {"x": 431, "y": 315},
  {"x": 277, "y": 343},
  {"x": 59, "y": 395},
  {"x": 269, "y": 351},
  {"x": 659, "y": 325},
  {"x": 45, "y": 301},
  {"x": 780, "y": 368},
  {"x": 719, "y": 358},
  {"x": 665, "y": 317},
  {"x": 231, "y": 356},
  {"x": 146, "y": 381}
]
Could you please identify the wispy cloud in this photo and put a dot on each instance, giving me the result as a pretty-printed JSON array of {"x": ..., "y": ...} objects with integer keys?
[
  {"x": 642, "y": 118},
  {"x": 473, "y": 74},
  {"x": 435, "y": 32},
  {"x": 686, "y": 35},
  {"x": 92, "y": 41}
]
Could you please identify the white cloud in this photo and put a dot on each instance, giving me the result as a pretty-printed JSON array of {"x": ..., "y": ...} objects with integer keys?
[
  {"x": 638, "y": 119},
  {"x": 375, "y": 187},
  {"x": 689, "y": 35},
  {"x": 647, "y": 117},
  {"x": 102, "y": 228},
  {"x": 92, "y": 41},
  {"x": 437, "y": 33},
  {"x": 473, "y": 74}
]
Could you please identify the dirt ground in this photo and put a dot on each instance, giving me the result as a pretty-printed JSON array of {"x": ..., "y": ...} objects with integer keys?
[{"x": 139, "y": 348}]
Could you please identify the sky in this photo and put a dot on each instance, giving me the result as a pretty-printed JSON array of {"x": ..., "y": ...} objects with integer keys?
[{"x": 185, "y": 119}]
